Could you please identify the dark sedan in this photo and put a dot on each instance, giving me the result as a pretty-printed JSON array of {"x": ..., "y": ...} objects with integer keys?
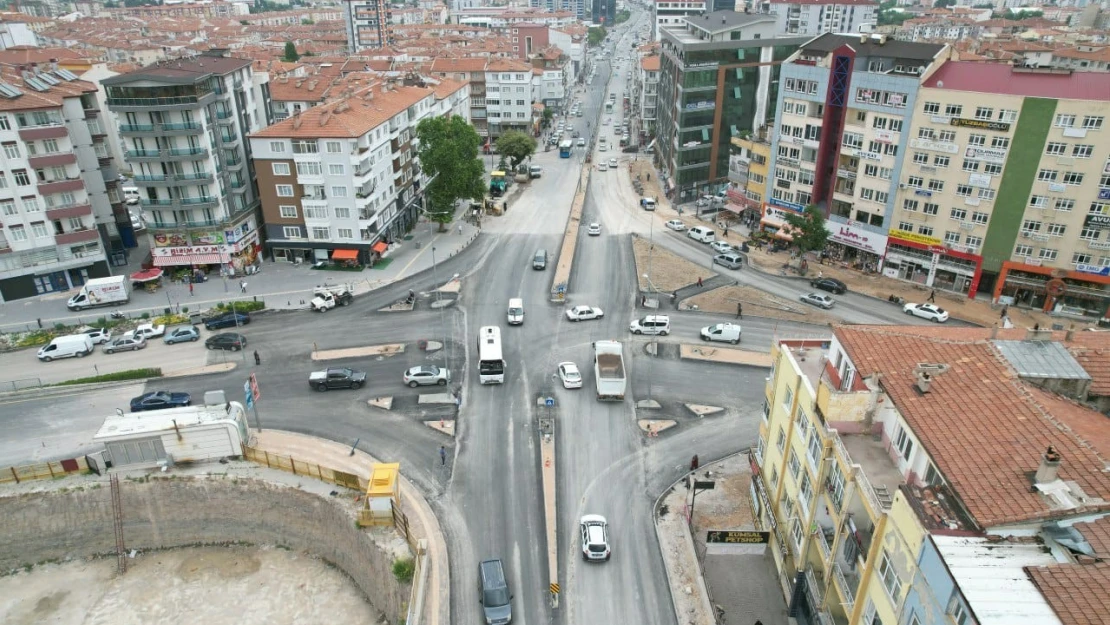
[
  {"x": 227, "y": 320},
  {"x": 831, "y": 285},
  {"x": 159, "y": 400},
  {"x": 227, "y": 340}
]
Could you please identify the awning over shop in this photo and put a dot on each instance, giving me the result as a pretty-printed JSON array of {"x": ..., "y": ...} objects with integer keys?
[
  {"x": 194, "y": 259},
  {"x": 380, "y": 247},
  {"x": 782, "y": 229},
  {"x": 345, "y": 255},
  {"x": 146, "y": 275}
]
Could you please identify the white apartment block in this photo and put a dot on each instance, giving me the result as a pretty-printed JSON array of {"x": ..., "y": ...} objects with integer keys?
[
  {"x": 815, "y": 17},
  {"x": 673, "y": 14},
  {"x": 509, "y": 96}
]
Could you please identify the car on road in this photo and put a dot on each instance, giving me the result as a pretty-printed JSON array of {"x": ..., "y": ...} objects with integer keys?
[
  {"x": 595, "y": 538},
  {"x": 932, "y": 312},
  {"x": 338, "y": 377},
  {"x": 832, "y": 285},
  {"x": 676, "y": 225},
  {"x": 581, "y": 142},
  {"x": 228, "y": 341},
  {"x": 732, "y": 260},
  {"x": 147, "y": 331},
  {"x": 584, "y": 313},
  {"x": 726, "y": 332},
  {"x": 98, "y": 335},
  {"x": 602, "y": 166},
  {"x": 593, "y": 229},
  {"x": 721, "y": 247},
  {"x": 570, "y": 375},
  {"x": 818, "y": 299},
  {"x": 651, "y": 324},
  {"x": 157, "y": 400},
  {"x": 608, "y": 120},
  {"x": 181, "y": 334},
  {"x": 612, "y": 163},
  {"x": 124, "y": 343},
  {"x": 227, "y": 320},
  {"x": 426, "y": 375}
]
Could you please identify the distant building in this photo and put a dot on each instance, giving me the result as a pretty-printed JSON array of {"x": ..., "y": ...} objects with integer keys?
[
  {"x": 367, "y": 23},
  {"x": 813, "y": 17},
  {"x": 667, "y": 13},
  {"x": 603, "y": 12}
]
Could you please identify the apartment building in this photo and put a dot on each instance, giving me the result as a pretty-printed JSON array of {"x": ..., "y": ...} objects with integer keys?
[
  {"x": 814, "y": 17},
  {"x": 672, "y": 13},
  {"x": 1006, "y": 188},
  {"x": 368, "y": 24},
  {"x": 603, "y": 12},
  {"x": 898, "y": 469},
  {"x": 509, "y": 98},
  {"x": 61, "y": 209},
  {"x": 645, "y": 97},
  {"x": 718, "y": 78},
  {"x": 747, "y": 172},
  {"x": 473, "y": 72},
  {"x": 340, "y": 180},
  {"x": 844, "y": 106},
  {"x": 183, "y": 124}
]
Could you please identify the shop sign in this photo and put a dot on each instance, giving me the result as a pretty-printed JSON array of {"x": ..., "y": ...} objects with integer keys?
[
  {"x": 935, "y": 146},
  {"x": 797, "y": 208},
  {"x": 1097, "y": 222},
  {"x": 1057, "y": 187},
  {"x": 207, "y": 238},
  {"x": 940, "y": 120},
  {"x": 989, "y": 155},
  {"x": 170, "y": 239},
  {"x": 1104, "y": 194},
  {"x": 854, "y": 236},
  {"x": 871, "y": 156},
  {"x": 1098, "y": 245},
  {"x": 239, "y": 232},
  {"x": 915, "y": 237},
  {"x": 243, "y": 243},
  {"x": 979, "y": 180},
  {"x": 980, "y": 124},
  {"x": 1097, "y": 270},
  {"x": 188, "y": 250},
  {"x": 923, "y": 193},
  {"x": 697, "y": 106},
  {"x": 885, "y": 136}
]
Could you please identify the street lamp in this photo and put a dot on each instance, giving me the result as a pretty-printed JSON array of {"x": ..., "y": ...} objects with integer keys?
[
  {"x": 442, "y": 324},
  {"x": 654, "y": 338}
]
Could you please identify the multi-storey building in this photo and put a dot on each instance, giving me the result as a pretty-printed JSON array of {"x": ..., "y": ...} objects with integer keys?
[
  {"x": 473, "y": 72},
  {"x": 898, "y": 470},
  {"x": 603, "y": 12},
  {"x": 61, "y": 210},
  {"x": 844, "y": 107},
  {"x": 183, "y": 123},
  {"x": 508, "y": 96},
  {"x": 368, "y": 24},
  {"x": 1006, "y": 188},
  {"x": 718, "y": 78},
  {"x": 747, "y": 171},
  {"x": 672, "y": 14},
  {"x": 814, "y": 17},
  {"x": 645, "y": 96},
  {"x": 340, "y": 180}
]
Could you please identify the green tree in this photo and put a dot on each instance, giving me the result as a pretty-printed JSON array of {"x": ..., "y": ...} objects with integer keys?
[
  {"x": 244, "y": 22},
  {"x": 622, "y": 16},
  {"x": 291, "y": 55},
  {"x": 516, "y": 146},
  {"x": 548, "y": 115},
  {"x": 596, "y": 35},
  {"x": 449, "y": 155},
  {"x": 809, "y": 229},
  {"x": 308, "y": 22}
]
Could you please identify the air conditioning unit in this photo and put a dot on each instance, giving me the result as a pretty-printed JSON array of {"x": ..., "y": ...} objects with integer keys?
[{"x": 902, "y": 185}]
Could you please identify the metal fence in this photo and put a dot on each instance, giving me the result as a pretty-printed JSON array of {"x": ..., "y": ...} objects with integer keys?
[
  {"x": 43, "y": 471},
  {"x": 299, "y": 467}
]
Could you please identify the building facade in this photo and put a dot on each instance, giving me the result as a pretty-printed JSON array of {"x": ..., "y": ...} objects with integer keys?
[
  {"x": 184, "y": 124},
  {"x": 508, "y": 85},
  {"x": 845, "y": 105},
  {"x": 815, "y": 17},
  {"x": 645, "y": 97},
  {"x": 603, "y": 12},
  {"x": 672, "y": 13},
  {"x": 368, "y": 24},
  {"x": 718, "y": 78},
  {"x": 747, "y": 173}
]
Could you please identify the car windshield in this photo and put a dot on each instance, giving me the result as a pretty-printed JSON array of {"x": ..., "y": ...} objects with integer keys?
[
  {"x": 515, "y": 311},
  {"x": 496, "y": 597}
]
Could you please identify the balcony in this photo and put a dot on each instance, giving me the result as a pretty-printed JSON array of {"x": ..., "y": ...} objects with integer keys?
[
  {"x": 238, "y": 186},
  {"x": 225, "y": 117},
  {"x": 199, "y": 202},
  {"x": 176, "y": 103},
  {"x": 70, "y": 210},
  {"x": 173, "y": 179},
  {"x": 52, "y": 160},
  {"x": 155, "y": 203},
  {"x": 60, "y": 186},
  {"x": 847, "y": 581},
  {"x": 190, "y": 154},
  {"x": 36, "y": 133},
  {"x": 233, "y": 163},
  {"x": 79, "y": 236},
  {"x": 176, "y": 225},
  {"x": 229, "y": 141},
  {"x": 182, "y": 128}
]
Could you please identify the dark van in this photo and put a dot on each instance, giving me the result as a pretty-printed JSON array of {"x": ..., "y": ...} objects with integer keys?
[
  {"x": 493, "y": 593},
  {"x": 539, "y": 261}
]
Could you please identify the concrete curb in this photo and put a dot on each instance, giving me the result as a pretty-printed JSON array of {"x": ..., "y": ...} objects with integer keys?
[{"x": 707, "y": 605}]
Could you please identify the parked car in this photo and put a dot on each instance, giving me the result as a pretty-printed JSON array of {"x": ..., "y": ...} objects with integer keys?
[
  {"x": 932, "y": 312},
  {"x": 831, "y": 285},
  {"x": 732, "y": 260},
  {"x": 721, "y": 247},
  {"x": 676, "y": 225},
  {"x": 124, "y": 343},
  {"x": 228, "y": 341},
  {"x": 584, "y": 313},
  {"x": 98, "y": 335},
  {"x": 157, "y": 400},
  {"x": 818, "y": 299},
  {"x": 595, "y": 538},
  {"x": 337, "y": 377},
  {"x": 181, "y": 334},
  {"x": 426, "y": 375},
  {"x": 612, "y": 163},
  {"x": 227, "y": 320},
  {"x": 593, "y": 229},
  {"x": 147, "y": 331},
  {"x": 570, "y": 375},
  {"x": 727, "y": 332}
]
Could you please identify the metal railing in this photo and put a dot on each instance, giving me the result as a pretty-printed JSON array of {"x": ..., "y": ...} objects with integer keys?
[
  {"x": 842, "y": 579},
  {"x": 153, "y": 102}
]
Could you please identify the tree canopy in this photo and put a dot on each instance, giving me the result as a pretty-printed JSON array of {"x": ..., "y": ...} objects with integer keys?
[
  {"x": 809, "y": 229},
  {"x": 596, "y": 35},
  {"x": 449, "y": 155},
  {"x": 516, "y": 146},
  {"x": 291, "y": 55}
]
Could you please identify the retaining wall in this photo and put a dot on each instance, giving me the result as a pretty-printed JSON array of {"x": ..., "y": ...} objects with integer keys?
[{"x": 163, "y": 513}]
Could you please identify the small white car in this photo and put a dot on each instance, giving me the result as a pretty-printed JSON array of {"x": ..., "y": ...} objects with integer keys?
[
  {"x": 601, "y": 147},
  {"x": 98, "y": 335},
  {"x": 818, "y": 299},
  {"x": 595, "y": 538},
  {"x": 931, "y": 312},
  {"x": 581, "y": 142},
  {"x": 613, "y": 163},
  {"x": 602, "y": 166},
  {"x": 426, "y": 375},
  {"x": 720, "y": 247},
  {"x": 569, "y": 374},
  {"x": 676, "y": 225},
  {"x": 147, "y": 331},
  {"x": 593, "y": 229},
  {"x": 727, "y": 332},
  {"x": 584, "y": 313}
]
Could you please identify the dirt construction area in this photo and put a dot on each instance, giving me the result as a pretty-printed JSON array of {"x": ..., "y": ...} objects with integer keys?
[
  {"x": 756, "y": 303},
  {"x": 668, "y": 271},
  {"x": 210, "y": 585}
]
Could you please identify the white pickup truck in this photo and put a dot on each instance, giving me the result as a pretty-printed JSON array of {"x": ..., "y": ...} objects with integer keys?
[
  {"x": 148, "y": 331},
  {"x": 609, "y": 370},
  {"x": 324, "y": 298}
]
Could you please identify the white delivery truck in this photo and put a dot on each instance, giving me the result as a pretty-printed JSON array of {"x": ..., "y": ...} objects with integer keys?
[
  {"x": 110, "y": 291},
  {"x": 609, "y": 370}
]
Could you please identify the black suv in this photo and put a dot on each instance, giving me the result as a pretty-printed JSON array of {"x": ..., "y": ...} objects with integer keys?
[
  {"x": 227, "y": 320},
  {"x": 228, "y": 340},
  {"x": 340, "y": 377},
  {"x": 832, "y": 285}
]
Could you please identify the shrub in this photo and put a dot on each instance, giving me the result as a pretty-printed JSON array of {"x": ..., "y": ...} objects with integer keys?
[
  {"x": 404, "y": 569},
  {"x": 242, "y": 306},
  {"x": 130, "y": 374}
]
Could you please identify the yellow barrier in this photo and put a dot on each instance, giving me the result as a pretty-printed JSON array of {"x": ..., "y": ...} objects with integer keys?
[
  {"x": 42, "y": 471},
  {"x": 296, "y": 467}
]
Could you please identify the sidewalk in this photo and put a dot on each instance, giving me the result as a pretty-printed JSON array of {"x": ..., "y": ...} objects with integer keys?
[{"x": 283, "y": 285}]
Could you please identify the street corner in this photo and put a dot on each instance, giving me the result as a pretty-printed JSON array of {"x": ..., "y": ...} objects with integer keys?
[
  {"x": 443, "y": 426},
  {"x": 701, "y": 410},
  {"x": 652, "y": 427},
  {"x": 380, "y": 351},
  {"x": 384, "y": 403}
]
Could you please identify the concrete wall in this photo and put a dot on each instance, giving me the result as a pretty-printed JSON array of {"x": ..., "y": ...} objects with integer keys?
[{"x": 164, "y": 513}]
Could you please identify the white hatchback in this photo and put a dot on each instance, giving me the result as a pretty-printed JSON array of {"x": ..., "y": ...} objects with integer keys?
[{"x": 676, "y": 225}]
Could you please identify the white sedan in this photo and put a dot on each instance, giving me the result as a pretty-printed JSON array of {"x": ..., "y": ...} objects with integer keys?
[
  {"x": 583, "y": 313},
  {"x": 594, "y": 229},
  {"x": 931, "y": 312},
  {"x": 720, "y": 247},
  {"x": 818, "y": 299},
  {"x": 569, "y": 374},
  {"x": 676, "y": 225},
  {"x": 612, "y": 163}
]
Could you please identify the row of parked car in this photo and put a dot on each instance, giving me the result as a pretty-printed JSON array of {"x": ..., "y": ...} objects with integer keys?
[{"x": 84, "y": 341}]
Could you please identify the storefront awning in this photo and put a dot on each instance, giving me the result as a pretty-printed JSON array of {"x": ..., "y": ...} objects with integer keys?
[
  {"x": 782, "y": 229},
  {"x": 345, "y": 255},
  {"x": 194, "y": 259},
  {"x": 379, "y": 247},
  {"x": 147, "y": 275}
]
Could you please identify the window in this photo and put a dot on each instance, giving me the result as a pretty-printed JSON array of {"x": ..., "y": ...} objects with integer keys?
[
  {"x": 1055, "y": 149},
  {"x": 39, "y": 230},
  {"x": 905, "y": 225},
  {"x": 334, "y": 147},
  {"x": 1080, "y": 258},
  {"x": 915, "y": 181},
  {"x": 959, "y": 214},
  {"x": 1082, "y": 151},
  {"x": 50, "y": 146},
  {"x": 890, "y": 579},
  {"x": 780, "y": 441},
  {"x": 342, "y": 212},
  {"x": 963, "y": 190},
  {"x": 970, "y": 165},
  {"x": 909, "y": 205},
  {"x": 8, "y": 207},
  {"x": 946, "y": 136},
  {"x": 345, "y": 233},
  {"x": 793, "y": 464},
  {"x": 903, "y": 443},
  {"x": 11, "y": 150},
  {"x": 920, "y": 158},
  {"x": 925, "y": 230},
  {"x": 1057, "y": 230},
  {"x": 1031, "y": 225},
  {"x": 952, "y": 238},
  {"x": 796, "y": 533},
  {"x": 5, "y": 123},
  {"x": 1073, "y": 178},
  {"x": 277, "y": 147},
  {"x": 979, "y": 218},
  {"x": 309, "y": 169},
  {"x": 281, "y": 169},
  {"x": 1007, "y": 115},
  {"x": 941, "y": 161},
  {"x": 320, "y": 232},
  {"x": 926, "y": 133},
  {"x": 936, "y": 185},
  {"x": 1092, "y": 122},
  {"x": 31, "y": 204},
  {"x": 973, "y": 243},
  {"x": 1048, "y": 254},
  {"x": 1047, "y": 175},
  {"x": 1000, "y": 142},
  {"x": 305, "y": 146},
  {"x": 291, "y": 232},
  {"x": 931, "y": 108},
  {"x": 3, "y": 180},
  {"x": 284, "y": 190},
  {"x": 977, "y": 140},
  {"x": 871, "y": 616},
  {"x": 18, "y": 233},
  {"x": 959, "y": 614},
  {"x": 21, "y": 177},
  {"x": 1023, "y": 250},
  {"x": 1064, "y": 121},
  {"x": 992, "y": 169},
  {"x": 339, "y": 191},
  {"x": 287, "y": 212},
  {"x": 1089, "y": 234},
  {"x": 336, "y": 169},
  {"x": 984, "y": 113},
  {"x": 930, "y": 208},
  {"x": 316, "y": 213},
  {"x": 953, "y": 110}
]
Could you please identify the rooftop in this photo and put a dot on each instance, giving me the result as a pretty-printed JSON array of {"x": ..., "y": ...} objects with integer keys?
[
  {"x": 723, "y": 21},
  {"x": 1041, "y": 359},
  {"x": 348, "y": 118},
  {"x": 1005, "y": 79},
  {"x": 874, "y": 47},
  {"x": 182, "y": 71}
]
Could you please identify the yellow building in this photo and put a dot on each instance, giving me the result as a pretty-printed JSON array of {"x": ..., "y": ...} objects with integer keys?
[{"x": 747, "y": 171}]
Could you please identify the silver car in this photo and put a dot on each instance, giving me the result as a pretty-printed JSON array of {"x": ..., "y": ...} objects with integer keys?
[
  {"x": 818, "y": 299},
  {"x": 426, "y": 375},
  {"x": 124, "y": 344}
]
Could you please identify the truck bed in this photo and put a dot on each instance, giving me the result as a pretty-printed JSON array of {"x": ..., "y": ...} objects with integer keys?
[{"x": 610, "y": 366}]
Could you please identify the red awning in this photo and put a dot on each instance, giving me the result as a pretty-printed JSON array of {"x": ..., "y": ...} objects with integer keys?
[
  {"x": 380, "y": 247},
  {"x": 195, "y": 259},
  {"x": 345, "y": 255}
]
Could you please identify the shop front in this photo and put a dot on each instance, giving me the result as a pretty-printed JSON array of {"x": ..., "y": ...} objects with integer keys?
[
  {"x": 855, "y": 246},
  {"x": 925, "y": 260},
  {"x": 227, "y": 252},
  {"x": 773, "y": 222},
  {"x": 1084, "y": 292}
]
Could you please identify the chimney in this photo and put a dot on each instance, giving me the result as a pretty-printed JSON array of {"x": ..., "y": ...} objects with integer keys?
[
  {"x": 1069, "y": 336},
  {"x": 1050, "y": 465},
  {"x": 994, "y": 331},
  {"x": 864, "y": 38},
  {"x": 924, "y": 381}
]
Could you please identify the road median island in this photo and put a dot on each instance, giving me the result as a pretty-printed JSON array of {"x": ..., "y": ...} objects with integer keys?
[
  {"x": 728, "y": 356},
  {"x": 560, "y": 284},
  {"x": 550, "y": 509},
  {"x": 391, "y": 349}
]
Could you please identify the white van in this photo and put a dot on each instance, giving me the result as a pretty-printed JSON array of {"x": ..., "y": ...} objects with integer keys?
[
  {"x": 648, "y": 203},
  {"x": 701, "y": 233},
  {"x": 651, "y": 324},
  {"x": 727, "y": 332},
  {"x": 79, "y": 345},
  {"x": 516, "y": 311},
  {"x": 131, "y": 195}
]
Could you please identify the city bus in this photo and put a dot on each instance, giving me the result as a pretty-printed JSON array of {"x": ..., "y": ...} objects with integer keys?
[
  {"x": 491, "y": 366},
  {"x": 564, "y": 148}
]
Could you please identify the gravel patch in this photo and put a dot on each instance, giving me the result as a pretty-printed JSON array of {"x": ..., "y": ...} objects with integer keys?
[
  {"x": 669, "y": 271},
  {"x": 756, "y": 303}
]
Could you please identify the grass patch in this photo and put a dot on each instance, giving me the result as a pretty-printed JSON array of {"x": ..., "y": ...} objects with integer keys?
[
  {"x": 242, "y": 307},
  {"x": 404, "y": 569},
  {"x": 118, "y": 376},
  {"x": 382, "y": 264}
]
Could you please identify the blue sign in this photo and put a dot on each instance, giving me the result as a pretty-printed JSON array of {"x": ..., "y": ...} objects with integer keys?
[
  {"x": 923, "y": 192},
  {"x": 797, "y": 208},
  {"x": 250, "y": 396},
  {"x": 1104, "y": 194},
  {"x": 549, "y": 402},
  {"x": 1093, "y": 269}
]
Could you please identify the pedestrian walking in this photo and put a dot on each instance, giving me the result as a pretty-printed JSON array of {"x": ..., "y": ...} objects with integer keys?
[
  {"x": 442, "y": 456},
  {"x": 242, "y": 286},
  {"x": 643, "y": 301},
  {"x": 699, "y": 281},
  {"x": 933, "y": 296},
  {"x": 1005, "y": 309},
  {"x": 739, "y": 311},
  {"x": 190, "y": 288},
  {"x": 257, "y": 358},
  {"x": 460, "y": 228},
  {"x": 694, "y": 464}
]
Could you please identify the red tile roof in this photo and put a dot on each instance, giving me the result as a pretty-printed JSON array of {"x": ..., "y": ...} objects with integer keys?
[
  {"x": 982, "y": 426},
  {"x": 1002, "y": 79},
  {"x": 1092, "y": 350},
  {"x": 1077, "y": 592}
]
